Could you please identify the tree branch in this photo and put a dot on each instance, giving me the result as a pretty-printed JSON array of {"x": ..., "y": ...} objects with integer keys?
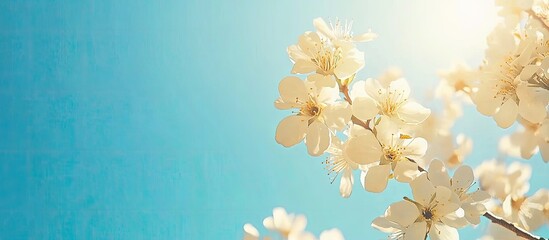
[
  {"x": 343, "y": 88},
  {"x": 517, "y": 230}
]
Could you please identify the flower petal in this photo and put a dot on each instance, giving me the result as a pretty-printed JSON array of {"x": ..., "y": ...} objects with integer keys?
[
  {"x": 291, "y": 130},
  {"x": 346, "y": 183},
  {"x": 323, "y": 28},
  {"x": 384, "y": 225},
  {"x": 332, "y": 234},
  {"x": 337, "y": 115},
  {"x": 438, "y": 175},
  {"x": 318, "y": 138},
  {"x": 364, "y": 108},
  {"x": 292, "y": 90},
  {"x": 352, "y": 62},
  {"x": 363, "y": 149},
  {"x": 440, "y": 231},
  {"x": 403, "y": 212},
  {"x": 250, "y": 232},
  {"x": 414, "y": 148},
  {"x": 415, "y": 231},
  {"x": 376, "y": 178},
  {"x": 365, "y": 37},
  {"x": 422, "y": 189},
  {"x": 507, "y": 114},
  {"x": 406, "y": 171},
  {"x": 463, "y": 177},
  {"x": 413, "y": 113}
]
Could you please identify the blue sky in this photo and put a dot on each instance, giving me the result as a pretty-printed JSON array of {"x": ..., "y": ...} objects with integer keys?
[{"x": 155, "y": 120}]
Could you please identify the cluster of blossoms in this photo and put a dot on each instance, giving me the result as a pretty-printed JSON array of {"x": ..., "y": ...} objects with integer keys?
[
  {"x": 513, "y": 82},
  {"x": 289, "y": 226},
  {"x": 440, "y": 205},
  {"x": 509, "y": 185},
  {"x": 373, "y": 127}
]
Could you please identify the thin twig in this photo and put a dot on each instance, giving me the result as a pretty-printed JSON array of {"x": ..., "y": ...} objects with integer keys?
[{"x": 517, "y": 230}]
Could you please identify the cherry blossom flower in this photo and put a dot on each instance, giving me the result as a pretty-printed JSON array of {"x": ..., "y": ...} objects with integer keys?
[
  {"x": 318, "y": 114},
  {"x": 527, "y": 212},
  {"x": 331, "y": 234},
  {"x": 513, "y": 10},
  {"x": 471, "y": 203},
  {"x": 341, "y": 33},
  {"x": 289, "y": 226},
  {"x": 429, "y": 213},
  {"x": 391, "y": 101},
  {"x": 501, "y": 181},
  {"x": 527, "y": 141},
  {"x": 389, "y": 153},
  {"x": 506, "y": 90},
  {"x": 338, "y": 162},
  {"x": 315, "y": 53}
]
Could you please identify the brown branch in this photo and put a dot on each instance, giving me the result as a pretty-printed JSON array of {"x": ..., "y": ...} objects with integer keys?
[
  {"x": 517, "y": 230},
  {"x": 499, "y": 221},
  {"x": 345, "y": 90}
]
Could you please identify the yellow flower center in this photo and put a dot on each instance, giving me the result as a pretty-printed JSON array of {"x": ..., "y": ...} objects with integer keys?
[
  {"x": 392, "y": 102},
  {"x": 326, "y": 58},
  {"x": 392, "y": 153},
  {"x": 311, "y": 109},
  {"x": 508, "y": 70}
]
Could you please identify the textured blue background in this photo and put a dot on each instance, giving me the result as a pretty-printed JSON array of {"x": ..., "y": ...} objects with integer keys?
[{"x": 142, "y": 120}]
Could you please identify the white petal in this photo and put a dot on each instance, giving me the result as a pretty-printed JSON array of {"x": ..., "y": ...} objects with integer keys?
[
  {"x": 291, "y": 130},
  {"x": 364, "y": 108},
  {"x": 463, "y": 177},
  {"x": 321, "y": 81},
  {"x": 447, "y": 201},
  {"x": 346, "y": 183},
  {"x": 387, "y": 131},
  {"x": 507, "y": 114},
  {"x": 412, "y": 112},
  {"x": 318, "y": 138},
  {"x": 323, "y": 28},
  {"x": 473, "y": 212},
  {"x": 406, "y": 171},
  {"x": 365, "y": 37},
  {"x": 302, "y": 66},
  {"x": 332, "y": 234},
  {"x": 403, "y": 212},
  {"x": 438, "y": 175},
  {"x": 374, "y": 89},
  {"x": 268, "y": 222},
  {"x": 443, "y": 232},
  {"x": 250, "y": 232},
  {"x": 486, "y": 99},
  {"x": 416, "y": 231},
  {"x": 337, "y": 115},
  {"x": 533, "y": 111},
  {"x": 299, "y": 223},
  {"x": 363, "y": 149},
  {"x": 400, "y": 86},
  {"x": 358, "y": 90},
  {"x": 414, "y": 148},
  {"x": 384, "y": 225},
  {"x": 422, "y": 189},
  {"x": 280, "y": 217},
  {"x": 376, "y": 178},
  {"x": 352, "y": 62},
  {"x": 292, "y": 90}
]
